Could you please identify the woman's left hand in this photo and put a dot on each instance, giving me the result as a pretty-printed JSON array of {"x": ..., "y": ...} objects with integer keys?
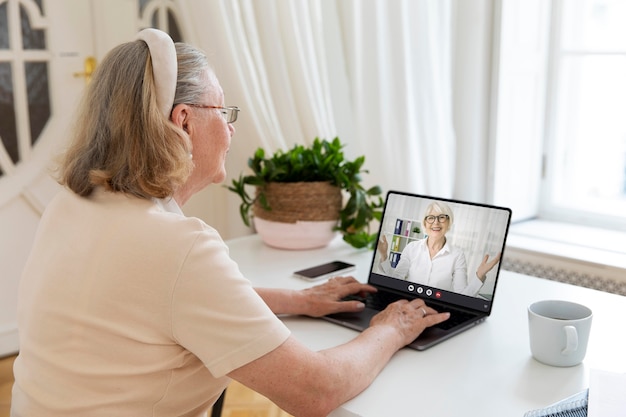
[
  {"x": 486, "y": 266},
  {"x": 327, "y": 298}
]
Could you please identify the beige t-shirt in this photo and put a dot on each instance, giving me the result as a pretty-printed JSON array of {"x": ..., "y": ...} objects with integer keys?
[{"x": 127, "y": 309}]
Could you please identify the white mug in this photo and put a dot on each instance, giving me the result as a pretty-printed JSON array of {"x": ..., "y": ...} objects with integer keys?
[{"x": 559, "y": 331}]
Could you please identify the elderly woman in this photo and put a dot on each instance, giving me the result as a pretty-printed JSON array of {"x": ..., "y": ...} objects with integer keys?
[
  {"x": 434, "y": 261},
  {"x": 129, "y": 308}
]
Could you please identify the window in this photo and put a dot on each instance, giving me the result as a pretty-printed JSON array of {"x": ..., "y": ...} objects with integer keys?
[
  {"x": 162, "y": 15},
  {"x": 24, "y": 88},
  {"x": 585, "y": 155}
]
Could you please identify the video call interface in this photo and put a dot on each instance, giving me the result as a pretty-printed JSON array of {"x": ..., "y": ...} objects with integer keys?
[{"x": 474, "y": 230}]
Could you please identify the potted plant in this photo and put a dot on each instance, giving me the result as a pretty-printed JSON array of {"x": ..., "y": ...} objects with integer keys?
[{"x": 289, "y": 185}]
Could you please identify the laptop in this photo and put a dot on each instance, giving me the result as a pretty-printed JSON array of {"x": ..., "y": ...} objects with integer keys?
[{"x": 405, "y": 269}]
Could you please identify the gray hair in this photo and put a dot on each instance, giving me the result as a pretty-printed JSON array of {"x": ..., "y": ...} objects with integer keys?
[{"x": 122, "y": 140}]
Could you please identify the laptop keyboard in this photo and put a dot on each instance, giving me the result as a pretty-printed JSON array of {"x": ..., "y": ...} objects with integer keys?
[{"x": 380, "y": 299}]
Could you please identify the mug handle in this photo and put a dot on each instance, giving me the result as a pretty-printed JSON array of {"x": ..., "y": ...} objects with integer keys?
[{"x": 571, "y": 340}]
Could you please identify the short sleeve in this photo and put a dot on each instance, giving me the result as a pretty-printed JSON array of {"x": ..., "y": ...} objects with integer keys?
[{"x": 216, "y": 313}]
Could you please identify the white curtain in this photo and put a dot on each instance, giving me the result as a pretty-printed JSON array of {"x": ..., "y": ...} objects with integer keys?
[
  {"x": 398, "y": 61},
  {"x": 376, "y": 73},
  {"x": 280, "y": 57}
]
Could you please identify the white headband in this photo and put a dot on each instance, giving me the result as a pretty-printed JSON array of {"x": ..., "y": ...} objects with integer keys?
[{"x": 164, "y": 66}]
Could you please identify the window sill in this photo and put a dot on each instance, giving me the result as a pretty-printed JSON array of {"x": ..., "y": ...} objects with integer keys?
[{"x": 580, "y": 255}]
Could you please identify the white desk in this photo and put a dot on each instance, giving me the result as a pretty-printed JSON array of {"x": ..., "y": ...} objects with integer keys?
[{"x": 486, "y": 371}]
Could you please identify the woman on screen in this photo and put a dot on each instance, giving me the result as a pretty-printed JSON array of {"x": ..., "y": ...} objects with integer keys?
[{"x": 434, "y": 261}]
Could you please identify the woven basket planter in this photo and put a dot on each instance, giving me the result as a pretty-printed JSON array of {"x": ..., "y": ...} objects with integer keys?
[{"x": 301, "y": 216}]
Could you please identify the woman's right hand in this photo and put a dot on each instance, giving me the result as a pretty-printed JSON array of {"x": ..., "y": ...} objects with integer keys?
[
  {"x": 383, "y": 248},
  {"x": 409, "y": 318}
]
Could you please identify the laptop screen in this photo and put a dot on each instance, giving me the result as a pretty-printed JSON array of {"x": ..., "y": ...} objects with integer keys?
[{"x": 440, "y": 249}]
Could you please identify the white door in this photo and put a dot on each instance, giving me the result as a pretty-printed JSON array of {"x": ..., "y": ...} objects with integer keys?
[{"x": 42, "y": 78}]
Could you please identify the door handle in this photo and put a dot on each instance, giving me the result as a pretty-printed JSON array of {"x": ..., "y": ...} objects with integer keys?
[{"x": 90, "y": 66}]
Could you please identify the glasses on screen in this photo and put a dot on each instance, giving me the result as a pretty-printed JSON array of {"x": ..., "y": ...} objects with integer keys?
[{"x": 442, "y": 218}]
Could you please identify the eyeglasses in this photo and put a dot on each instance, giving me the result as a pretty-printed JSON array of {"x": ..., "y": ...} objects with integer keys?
[
  {"x": 228, "y": 113},
  {"x": 442, "y": 218}
]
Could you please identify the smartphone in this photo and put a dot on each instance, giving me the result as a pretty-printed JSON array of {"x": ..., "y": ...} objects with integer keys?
[{"x": 327, "y": 270}]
